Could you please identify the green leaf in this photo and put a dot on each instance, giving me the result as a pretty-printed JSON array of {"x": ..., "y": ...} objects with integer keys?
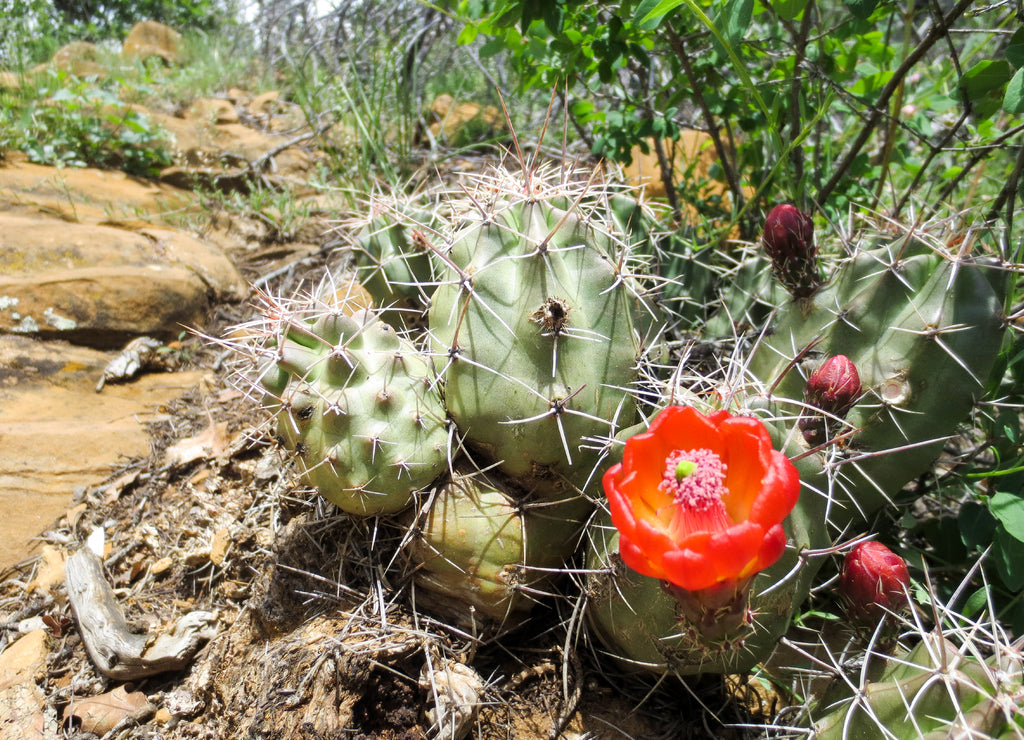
[
  {"x": 862, "y": 8},
  {"x": 985, "y": 77},
  {"x": 1015, "y": 49},
  {"x": 976, "y": 525},
  {"x": 1008, "y": 508},
  {"x": 647, "y": 17},
  {"x": 1013, "y": 100},
  {"x": 976, "y": 602},
  {"x": 1009, "y": 557},
  {"x": 654, "y": 14},
  {"x": 735, "y": 19},
  {"x": 789, "y": 9},
  {"x": 467, "y": 35}
]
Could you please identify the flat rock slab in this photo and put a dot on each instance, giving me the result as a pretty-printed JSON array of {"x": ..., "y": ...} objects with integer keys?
[
  {"x": 88, "y": 195},
  {"x": 57, "y": 433},
  {"x": 100, "y": 285}
]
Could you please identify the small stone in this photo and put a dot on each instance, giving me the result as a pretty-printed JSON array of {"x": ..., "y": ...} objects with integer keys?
[
  {"x": 219, "y": 546},
  {"x": 50, "y": 572},
  {"x": 161, "y": 566}
]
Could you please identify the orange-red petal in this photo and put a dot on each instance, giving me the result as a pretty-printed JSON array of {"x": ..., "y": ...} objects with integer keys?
[{"x": 761, "y": 489}]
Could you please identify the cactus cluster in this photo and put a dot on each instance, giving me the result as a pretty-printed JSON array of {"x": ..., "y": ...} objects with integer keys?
[
  {"x": 918, "y": 329},
  {"x": 495, "y": 416},
  {"x": 501, "y": 411}
]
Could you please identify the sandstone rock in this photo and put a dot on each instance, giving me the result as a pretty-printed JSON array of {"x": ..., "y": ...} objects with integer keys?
[
  {"x": 23, "y": 715},
  {"x": 100, "y": 285},
  {"x": 87, "y": 195},
  {"x": 57, "y": 433},
  {"x": 463, "y": 123},
  {"x": 212, "y": 110},
  {"x": 151, "y": 38},
  {"x": 49, "y": 572},
  {"x": 79, "y": 58},
  {"x": 693, "y": 149},
  {"x": 692, "y": 157},
  {"x": 265, "y": 104}
]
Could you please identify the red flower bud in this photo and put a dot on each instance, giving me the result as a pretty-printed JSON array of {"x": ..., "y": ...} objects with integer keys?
[
  {"x": 834, "y": 387},
  {"x": 789, "y": 240},
  {"x": 874, "y": 580}
]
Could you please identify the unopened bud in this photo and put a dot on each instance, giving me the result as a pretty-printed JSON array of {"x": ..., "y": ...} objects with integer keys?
[
  {"x": 834, "y": 387},
  {"x": 789, "y": 240},
  {"x": 874, "y": 580}
]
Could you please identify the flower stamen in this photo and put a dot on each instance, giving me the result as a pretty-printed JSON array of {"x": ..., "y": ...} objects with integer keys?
[{"x": 696, "y": 481}]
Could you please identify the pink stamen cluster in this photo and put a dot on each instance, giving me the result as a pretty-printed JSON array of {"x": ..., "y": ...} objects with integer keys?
[{"x": 695, "y": 478}]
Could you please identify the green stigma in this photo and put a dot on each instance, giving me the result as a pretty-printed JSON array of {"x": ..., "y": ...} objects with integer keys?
[{"x": 685, "y": 468}]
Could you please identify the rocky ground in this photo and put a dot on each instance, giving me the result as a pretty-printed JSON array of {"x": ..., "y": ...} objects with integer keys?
[{"x": 166, "y": 575}]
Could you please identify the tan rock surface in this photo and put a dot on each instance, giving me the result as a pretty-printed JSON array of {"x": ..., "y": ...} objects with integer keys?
[
  {"x": 57, "y": 433},
  {"x": 99, "y": 285},
  {"x": 212, "y": 110},
  {"x": 453, "y": 118},
  {"x": 88, "y": 195},
  {"x": 151, "y": 38},
  {"x": 22, "y": 712},
  {"x": 80, "y": 58}
]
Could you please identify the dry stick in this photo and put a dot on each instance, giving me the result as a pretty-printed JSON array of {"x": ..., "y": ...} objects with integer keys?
[
  {"x": 889, "y": 137},
  {"x": 116, "y": 651},
  {"x": 667, "y": 178},
  {"x": 1006, "y": 197},
  {"x": 932, "y": 154},
  {"x": 679, "y": 47},
  {"x": 980, "y": 153},
  {"x": 878, "y": 110}
]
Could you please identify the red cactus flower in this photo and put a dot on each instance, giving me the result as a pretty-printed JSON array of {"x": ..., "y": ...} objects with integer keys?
[
  {"x": 873, "y": 580},
  {"x": 699, "y": 500}
]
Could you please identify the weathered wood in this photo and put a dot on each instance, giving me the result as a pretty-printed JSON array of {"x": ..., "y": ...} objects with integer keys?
[{"x": 116, "y": 651}]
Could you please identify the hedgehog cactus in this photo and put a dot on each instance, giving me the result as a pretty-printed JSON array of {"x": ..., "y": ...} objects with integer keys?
[
  {"x": 933, "y": 691},
  {"x": 539, "y": 327},
  {"x": 355, "y": 402},
  {"x": 922, "y": 328},
  {"x": 393, "y": 258},
  {"x": 478, "y": 547}
]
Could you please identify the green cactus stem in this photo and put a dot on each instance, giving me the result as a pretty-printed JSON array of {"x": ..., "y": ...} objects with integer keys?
[
  {"x": 933, "y": 691},
  {"x": 481, "y": 558},
  {"x": 355, "y": 402},
  {"x": 539, "y": 327}
]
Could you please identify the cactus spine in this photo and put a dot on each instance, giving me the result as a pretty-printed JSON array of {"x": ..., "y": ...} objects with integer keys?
[{"x": 355, "y": 402}]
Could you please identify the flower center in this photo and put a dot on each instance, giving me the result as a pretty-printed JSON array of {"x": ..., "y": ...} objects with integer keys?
[{"x": 696, "y": 481}]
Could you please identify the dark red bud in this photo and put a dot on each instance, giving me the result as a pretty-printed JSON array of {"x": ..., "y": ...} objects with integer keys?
[
  {"x": 834, "y": 387},
  {"x": 873, "y": 580},
  {"x": 789, "y": 240}
]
